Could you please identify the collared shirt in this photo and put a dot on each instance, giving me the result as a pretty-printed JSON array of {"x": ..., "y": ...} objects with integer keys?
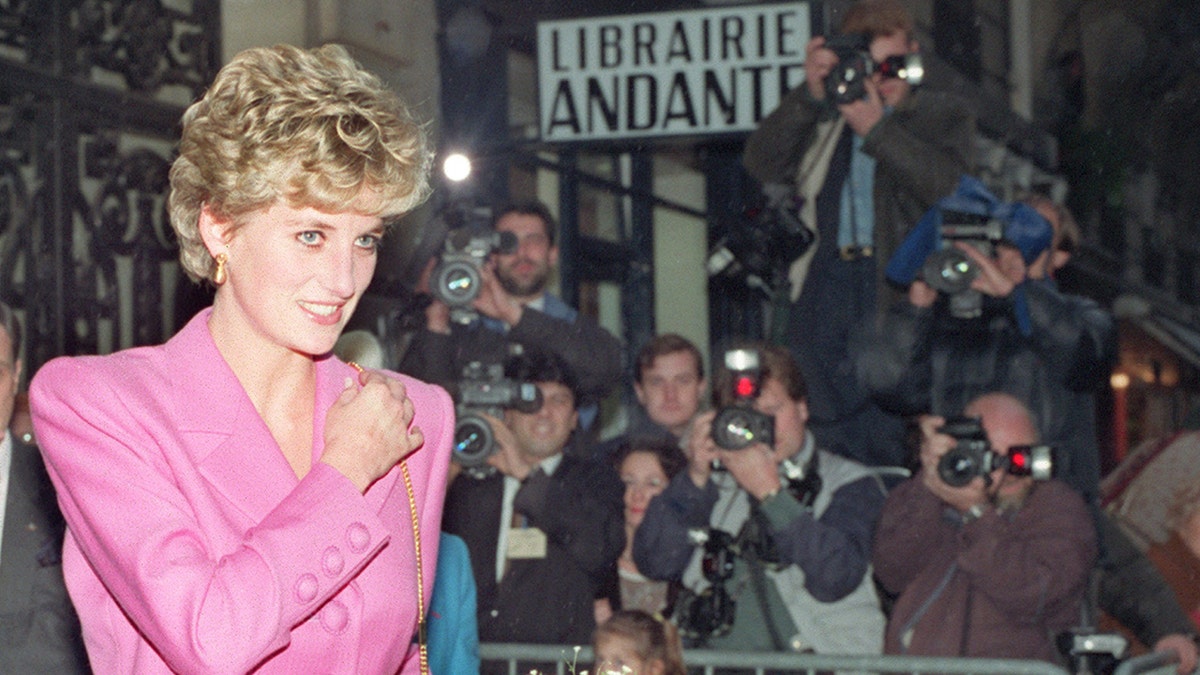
[
  {"x": 511, "y": 485},
  {"x": 6, "y": 452}
]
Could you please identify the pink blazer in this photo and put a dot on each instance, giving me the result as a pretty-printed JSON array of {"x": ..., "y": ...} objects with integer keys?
[{"x": 191, "y": 544}]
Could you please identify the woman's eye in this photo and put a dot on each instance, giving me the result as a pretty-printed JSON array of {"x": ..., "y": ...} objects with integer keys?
[
  {"x": 369, "y": 241},
  {"x": 310, "y": 238}
]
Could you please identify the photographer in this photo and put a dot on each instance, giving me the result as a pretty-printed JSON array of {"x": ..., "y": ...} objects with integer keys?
[
  {"x": 798, "y": 523},
  {"x": 514, "y": 307},
  {"x": 1052, "y": 351},
  {"x": 863, "y": 172},
  {"x": 994, "y": 568},
  {"x": 545, "y": 528},
  {"x": 1049, "y": 349}
]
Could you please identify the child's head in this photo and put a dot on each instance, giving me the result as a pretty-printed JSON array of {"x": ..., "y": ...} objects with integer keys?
[{"x": 633, "y": 642}]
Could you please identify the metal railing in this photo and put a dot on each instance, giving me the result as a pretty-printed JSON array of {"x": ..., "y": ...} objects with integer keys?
[
  {"x": 570, "y": 659},
  {"x": 1155, "y": 662}
]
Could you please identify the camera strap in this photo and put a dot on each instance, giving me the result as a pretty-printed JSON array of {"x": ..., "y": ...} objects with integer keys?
[
  {"x": 758, "y": 582},
  {"x": 804, "y": 483}
]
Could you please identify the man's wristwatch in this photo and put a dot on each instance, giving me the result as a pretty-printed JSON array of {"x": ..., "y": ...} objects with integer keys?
[{"x": 972, "y": 514}]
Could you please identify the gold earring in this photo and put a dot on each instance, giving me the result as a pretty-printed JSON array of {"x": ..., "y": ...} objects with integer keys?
[{"x": 219, "y": 275}]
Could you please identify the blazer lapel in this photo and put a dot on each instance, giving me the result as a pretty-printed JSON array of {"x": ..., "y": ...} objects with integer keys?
[{"x": 223, "y": 433}]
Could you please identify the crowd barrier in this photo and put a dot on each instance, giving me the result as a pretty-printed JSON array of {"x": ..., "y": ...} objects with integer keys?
[{"x": 574, "y": 660}]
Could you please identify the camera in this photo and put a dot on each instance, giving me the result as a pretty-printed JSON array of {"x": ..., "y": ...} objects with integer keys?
[
  {"x": 709, "y": 613},
  {"x": 739, "y": 425},
  {"x": 950, "y": 271},
  {"x": 973, "y": 456},
  {"x": 458, "y": 277},
  {"x": 483, "y": 389},
  {"x": 758, "y": 250},
  {"x": 846, "y": 83}
]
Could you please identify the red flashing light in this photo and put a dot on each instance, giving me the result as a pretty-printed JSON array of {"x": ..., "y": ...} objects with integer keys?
[
  {"x": 744, "y": 387},
  {"x": 1019, "y": 460}
]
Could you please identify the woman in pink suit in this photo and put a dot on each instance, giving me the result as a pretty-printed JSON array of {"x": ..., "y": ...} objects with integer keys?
[{"x": 238, "y": 499}]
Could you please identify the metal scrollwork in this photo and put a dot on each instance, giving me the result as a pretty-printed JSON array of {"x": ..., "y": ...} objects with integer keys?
[
  {"x": 149, "y": 44},
  {"x": 86, "y": 249}
]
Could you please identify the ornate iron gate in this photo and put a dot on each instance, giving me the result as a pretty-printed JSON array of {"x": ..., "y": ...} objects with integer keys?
[{"x": 91, "y": 92}]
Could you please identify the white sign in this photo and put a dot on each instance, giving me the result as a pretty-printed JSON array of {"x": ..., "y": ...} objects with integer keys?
[{"x": 705, "y": 71}]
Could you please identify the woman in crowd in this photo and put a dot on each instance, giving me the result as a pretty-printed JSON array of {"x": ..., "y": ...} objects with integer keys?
[
  {"x": 237, "y": 498},
  {"x": 633, "y": 642},
  {"x": 645, "y": 467}
]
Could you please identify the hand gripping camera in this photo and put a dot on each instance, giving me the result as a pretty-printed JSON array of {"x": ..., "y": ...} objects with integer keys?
[
  {"x": 846, "y": 83},
  {"x": 973, "y": 456},
  {"x": 458, "y": 277},
  {"x": 950, "y": 271},
  {"x": 739, "y": 425},
  {"x": 484, "y": 389}
]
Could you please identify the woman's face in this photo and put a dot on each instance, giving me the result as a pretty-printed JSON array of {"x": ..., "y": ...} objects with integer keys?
[
  {"x": 617, "y": 655},
  {"x": 644, "y": 479},
  {"x": 295, "y": 275}
]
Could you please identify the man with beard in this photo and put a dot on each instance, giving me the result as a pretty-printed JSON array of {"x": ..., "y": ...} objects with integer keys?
[
  {"x": 993, "y": 568},
  {"x": 515, "y": 308}
]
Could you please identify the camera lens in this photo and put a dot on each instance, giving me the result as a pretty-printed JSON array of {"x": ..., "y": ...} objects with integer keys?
[
  {"x": 473, "y": 440},
  {"x": 456, "y": 283},
  {"x": 735, "y": 428},
  {"x": 958, "y": 467},
  {"x": 949, "y": 271}
]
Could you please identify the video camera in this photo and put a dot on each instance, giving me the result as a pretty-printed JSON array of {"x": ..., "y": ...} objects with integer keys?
[
  {"x": 846, "y": 83},
  {"x": 950, "y": 271},
  {"x": 973, "y": 455},
  {"x": 971, "y": 214},
  {"x": 739, "y": 425},
  {"x": 458, "y": 276},
  {"x": 484, "y": 389}
]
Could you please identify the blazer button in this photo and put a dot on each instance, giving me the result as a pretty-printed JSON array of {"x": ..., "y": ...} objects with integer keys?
[
  {"x": 335, "y": 617},
  {"x": 306, "y": 589},
  {"x": 358, "y": 537},
  {"x": 333, "y": 562}
]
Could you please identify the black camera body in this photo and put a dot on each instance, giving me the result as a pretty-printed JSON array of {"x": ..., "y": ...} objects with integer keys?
[
  {"x": 458, "y": 276},
  {"x": 846, "y": 83},
  {"x": 759, "y": 249},
  {"x": 709, "y": 613},
  {"x": 973, "y": 455},
  {"x": 950, "y": 271},
  {"x": 739, "y": 425},
  {"x": 483, "y": 389}
]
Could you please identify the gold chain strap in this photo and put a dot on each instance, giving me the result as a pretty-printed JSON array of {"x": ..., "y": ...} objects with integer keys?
[{"x": 422, "y": 626}]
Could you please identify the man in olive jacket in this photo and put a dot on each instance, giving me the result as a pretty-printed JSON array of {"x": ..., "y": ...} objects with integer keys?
[{"x": 862, "y": 174}]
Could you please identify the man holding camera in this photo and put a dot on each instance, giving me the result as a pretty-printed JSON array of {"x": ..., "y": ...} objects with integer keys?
[
  {"x": 862, "y": 170},
  {"x": 514, "y": 307},
  {"x": 996, "y": 567},
  {"x": 545, "y": 527},
  {"x": 775, "y": 546}
]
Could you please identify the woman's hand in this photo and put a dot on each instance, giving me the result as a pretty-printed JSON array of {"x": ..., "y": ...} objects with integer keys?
[{"x": 367, "y": 429}]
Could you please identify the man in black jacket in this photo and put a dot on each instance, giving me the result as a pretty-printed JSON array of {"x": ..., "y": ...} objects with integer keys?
[
  {"x": 39, "y": 632},
  {"x": 545, "y": 527}
]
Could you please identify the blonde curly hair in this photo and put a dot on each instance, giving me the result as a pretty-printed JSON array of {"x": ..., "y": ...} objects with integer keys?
[{"x": 309, "y": 127}]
